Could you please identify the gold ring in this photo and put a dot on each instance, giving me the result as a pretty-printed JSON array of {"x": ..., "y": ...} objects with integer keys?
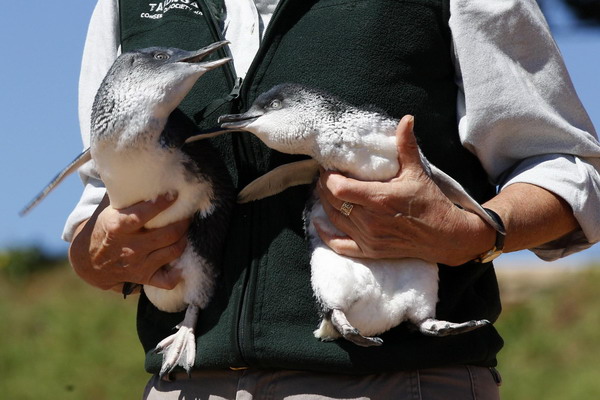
[{"x": 346, "y": 208}]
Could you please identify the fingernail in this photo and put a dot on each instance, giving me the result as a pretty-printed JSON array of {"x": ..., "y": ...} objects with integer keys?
[
  {"x": 170, "y": 196},
  {"x": 410, "y": 121}
]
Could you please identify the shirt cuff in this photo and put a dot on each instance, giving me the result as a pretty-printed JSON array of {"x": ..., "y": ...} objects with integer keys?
[
  {"x": 92, "y": 195},
  {"x": 577, "y": 182}
]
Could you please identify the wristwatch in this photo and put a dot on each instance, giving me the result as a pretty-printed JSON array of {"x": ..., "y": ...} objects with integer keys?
[{"x": 495, "y": 251}]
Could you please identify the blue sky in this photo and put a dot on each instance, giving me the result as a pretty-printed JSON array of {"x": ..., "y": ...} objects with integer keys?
[{"x": 38, "y": 110}]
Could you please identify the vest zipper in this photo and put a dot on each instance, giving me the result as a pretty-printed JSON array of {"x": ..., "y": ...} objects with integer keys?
[
  {"x": 218, "y": 36},
  {"x": 244, "y": 331},
  {"x": 239, "y": 88},
  {"x": 234, "y": 95},
  {"x": 239, "y": 93},
  {"x": 261, "y": 52}
]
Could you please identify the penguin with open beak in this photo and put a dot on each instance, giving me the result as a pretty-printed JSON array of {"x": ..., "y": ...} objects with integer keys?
[
  {"x": 137, "y": 144},
  {"x": 359, "y": 298}
]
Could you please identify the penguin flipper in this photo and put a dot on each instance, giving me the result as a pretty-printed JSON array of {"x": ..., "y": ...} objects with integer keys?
[
  {"x": 457, "y": 194},
  {"x": 81, "y": 159},
  {"x": 210, "y": 133},
  {"x": 276, "y": 181}
]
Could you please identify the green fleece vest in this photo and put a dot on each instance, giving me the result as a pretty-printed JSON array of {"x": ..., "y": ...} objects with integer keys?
[{"x": 391, "y": 54}]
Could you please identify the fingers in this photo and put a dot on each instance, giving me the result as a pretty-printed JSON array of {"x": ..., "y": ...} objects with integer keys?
[
  {"x": 372, "y": 223},
  {"x": 108, "y": 250},
  {"x": 337, "y": 189},
  {"x": 340, "y": 188},
  {"x": 165, "y": 277},
  {"x": 158, "y": 238},
  {"x": 408, "y": 149},
  {"x": 340, "y": 244},
  {"x": 134, "y": 217},
  {"x": 156, "y": 248},
  {"x": 328, "y": 197},
  {"x": 332, "y": 205},
  {"x": 157, "y": 263}
]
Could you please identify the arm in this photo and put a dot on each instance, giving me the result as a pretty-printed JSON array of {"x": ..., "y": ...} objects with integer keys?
[
  {"x": 410, "y": 217},
  {"x": 532, "y": 125},
  {"x": 520, "y": 115},
  {"x": 101, "y": 49}
]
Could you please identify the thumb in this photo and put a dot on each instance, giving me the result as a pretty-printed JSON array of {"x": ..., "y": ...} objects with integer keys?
[{"x": 408, "y": 149}]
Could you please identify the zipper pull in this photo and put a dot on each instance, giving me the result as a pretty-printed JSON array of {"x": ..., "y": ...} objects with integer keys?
[
  {"x": 214, "y": 106},
  {"x": 235, "y": 92}
]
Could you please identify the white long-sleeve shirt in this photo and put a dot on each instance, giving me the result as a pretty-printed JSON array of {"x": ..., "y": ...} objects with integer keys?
[{"x": 517, "y": 109}]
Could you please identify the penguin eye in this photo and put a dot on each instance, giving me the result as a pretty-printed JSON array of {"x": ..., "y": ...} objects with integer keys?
[
  {"x": 161, "y": 56},
  {"x": 275, "y": 104}
]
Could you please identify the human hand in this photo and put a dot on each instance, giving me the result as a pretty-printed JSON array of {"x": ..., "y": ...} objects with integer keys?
[
  {"x": 407, "y": 216},
  {"x": 113, "y": 246}
]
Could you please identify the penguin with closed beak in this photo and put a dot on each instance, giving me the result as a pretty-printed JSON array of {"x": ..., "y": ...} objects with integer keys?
[
  {"x": 359, "y": 298},
  {"x": 137, "y": 144}
]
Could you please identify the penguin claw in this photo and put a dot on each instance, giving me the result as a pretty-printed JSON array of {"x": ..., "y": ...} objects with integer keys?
[
  {"x": 434, "y": 327},
  {"x": 128, "y": 288},
  {"x": 178, "y": 349},
  {"x": 363, "y": 341},
  {"x": 350, "y": 333}
]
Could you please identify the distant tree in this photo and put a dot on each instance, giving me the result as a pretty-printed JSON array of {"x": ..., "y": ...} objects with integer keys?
[
  {"x": 586, "y": 10},
  {"x": 19, "y": 264}
]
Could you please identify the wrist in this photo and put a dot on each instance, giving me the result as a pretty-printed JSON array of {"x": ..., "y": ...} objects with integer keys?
[
  {"x": 495, "y": 251},
  {"x": 476, "y": 238}
]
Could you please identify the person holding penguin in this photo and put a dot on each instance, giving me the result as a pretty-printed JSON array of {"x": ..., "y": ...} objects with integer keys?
[{"x": 489, "y": 110}]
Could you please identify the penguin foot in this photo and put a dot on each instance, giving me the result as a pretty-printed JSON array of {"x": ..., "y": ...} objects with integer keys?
[
  {"x": 360, "y": 340},
  {"x": 435, "y": 327},
  {"x": 326, "y": 332},
  {"x": 129, "y": 288},
  {"x": 179, "y": 349},
  {"x": 350, "y": 333}
]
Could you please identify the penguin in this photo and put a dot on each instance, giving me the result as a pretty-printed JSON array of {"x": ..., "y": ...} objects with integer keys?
[
  {"x": 137, "y": 143},
  {"x": 359, "y": 298}
]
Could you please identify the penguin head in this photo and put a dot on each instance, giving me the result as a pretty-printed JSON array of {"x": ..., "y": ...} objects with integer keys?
[
  {"x": 288, "y": 118},
  {"x": 154, "y": 80}
]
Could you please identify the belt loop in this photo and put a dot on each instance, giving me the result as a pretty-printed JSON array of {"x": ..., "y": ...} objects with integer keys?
[
  {"x": 238, "y": 368},
  {"x": 496, "y": 375}
]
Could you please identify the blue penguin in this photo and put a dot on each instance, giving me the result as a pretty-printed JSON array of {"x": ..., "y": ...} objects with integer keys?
[
  {"x": 137, "y": 144},
  {"x": 359, "y": 298}
]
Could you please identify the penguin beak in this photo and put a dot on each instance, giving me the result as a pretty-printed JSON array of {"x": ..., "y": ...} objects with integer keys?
[
  {"x": 194, "y": 57},
  {"x": 238, "y": 121}
]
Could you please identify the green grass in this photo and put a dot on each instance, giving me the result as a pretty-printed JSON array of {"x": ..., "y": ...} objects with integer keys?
[
  {"x": 61, "y": 339},
  {"x": 552, "y": 349}
]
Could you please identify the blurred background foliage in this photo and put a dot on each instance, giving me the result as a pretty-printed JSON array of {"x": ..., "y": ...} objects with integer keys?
[
  {"x": 62, "y": 339},
  {"x": 586, "y": 10},
  {"x": 19, "y": 264}
]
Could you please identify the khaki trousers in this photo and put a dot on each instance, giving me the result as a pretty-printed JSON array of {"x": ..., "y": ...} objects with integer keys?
[{"x": 450, "y": 383}]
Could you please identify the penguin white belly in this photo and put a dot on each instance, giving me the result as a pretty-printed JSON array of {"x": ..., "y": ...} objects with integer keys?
[
  {"x": 196, "y": 286},
  {"x": 375, "y": 295},
  {"x": 151, "y": 172}
]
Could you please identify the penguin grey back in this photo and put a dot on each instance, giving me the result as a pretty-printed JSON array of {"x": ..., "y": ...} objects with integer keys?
[
  {"x": 360, "y": 142},
  {"x": 137, "y": 95},
  {"x": 295, "y": 119}
]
